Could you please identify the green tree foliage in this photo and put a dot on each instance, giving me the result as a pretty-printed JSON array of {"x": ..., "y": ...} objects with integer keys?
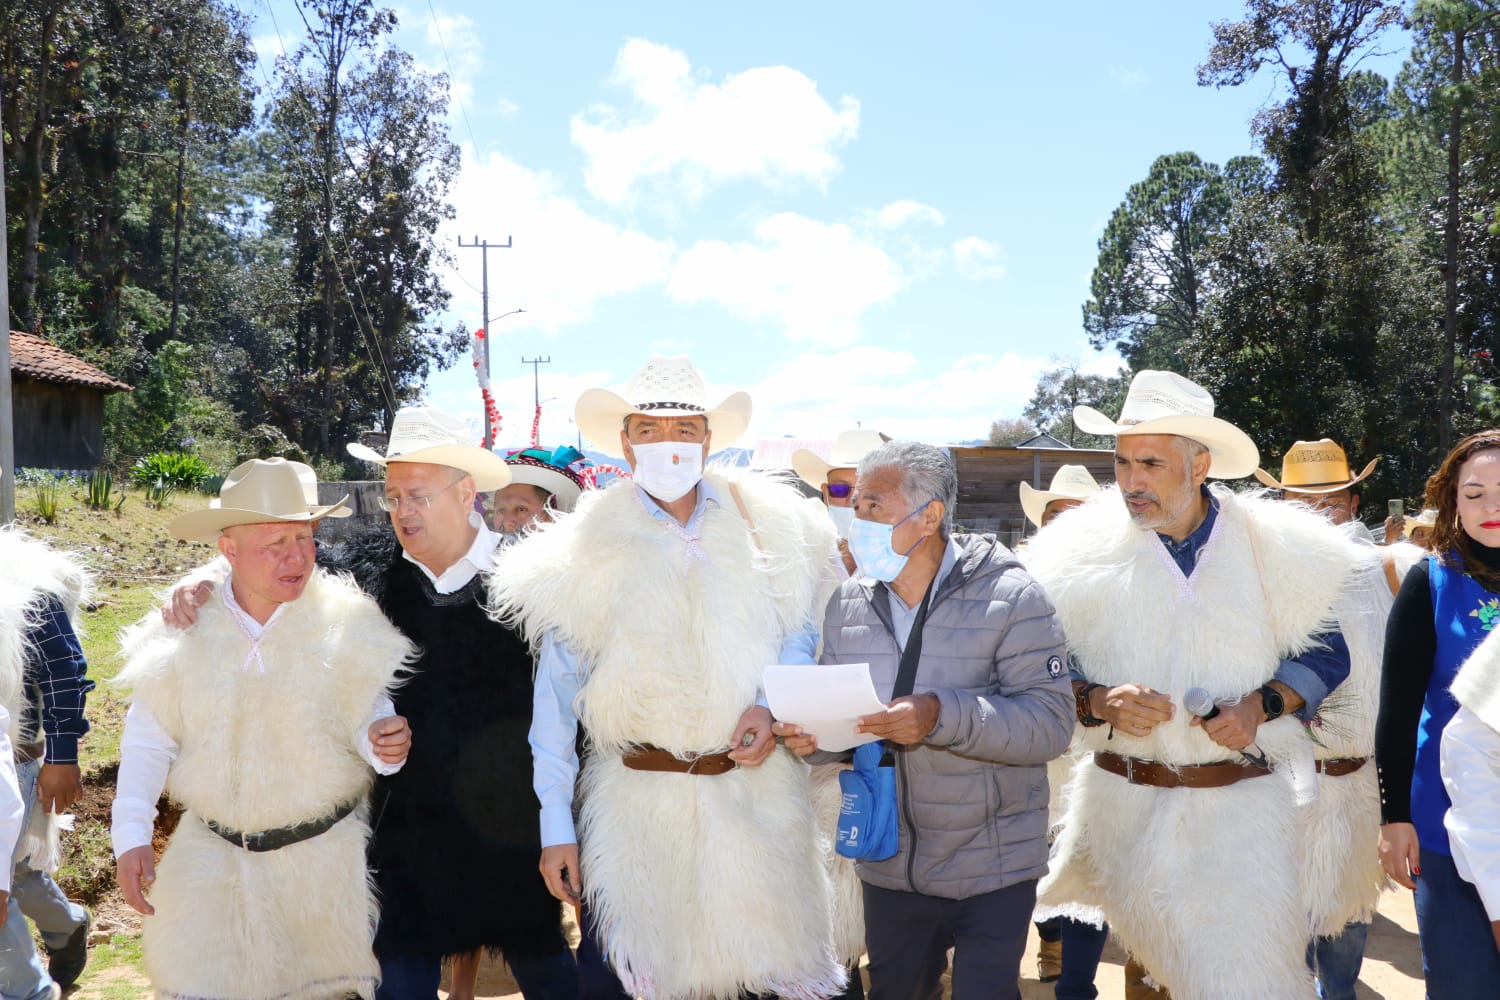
[
  {"x": 239, "y": 272},
  {"x": 1009, "y": 431},
  {"x": 1063, "y": 387},
  {"x": 1147, "y": 288}
]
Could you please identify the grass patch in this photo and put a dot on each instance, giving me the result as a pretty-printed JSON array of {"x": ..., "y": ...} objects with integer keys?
[{"x": 115, "y": 971}]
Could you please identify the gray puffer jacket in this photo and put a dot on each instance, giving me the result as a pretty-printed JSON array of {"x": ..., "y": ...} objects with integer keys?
[{"x": 973, "y": 797}]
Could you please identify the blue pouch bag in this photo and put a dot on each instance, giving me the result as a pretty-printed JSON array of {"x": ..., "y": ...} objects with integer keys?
[{"x": 867, "y": 811}]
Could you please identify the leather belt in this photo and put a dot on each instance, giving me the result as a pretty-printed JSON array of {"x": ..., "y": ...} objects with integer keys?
[
  {"x": 27, "y": 752},
  {"x": 645, "y": 757},
  {"x": 1336, "y": 767},
  {"x": 285, "y": 836},
  {"x": 1158, "y": 775}
]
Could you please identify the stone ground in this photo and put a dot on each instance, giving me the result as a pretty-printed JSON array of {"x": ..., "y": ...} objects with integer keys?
[{"x": 1392, "y": 969}]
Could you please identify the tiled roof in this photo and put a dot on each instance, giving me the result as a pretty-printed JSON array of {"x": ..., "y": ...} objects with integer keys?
[{"x": 38, "y": 358}]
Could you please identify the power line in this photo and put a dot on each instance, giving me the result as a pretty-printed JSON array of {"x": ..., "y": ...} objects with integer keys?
[{"x": 463, "y": 111}]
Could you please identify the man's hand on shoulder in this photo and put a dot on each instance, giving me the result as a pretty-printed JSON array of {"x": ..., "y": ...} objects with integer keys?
[
  {"x": 908, "y": 720},
  {"x": 135, "y": 871},
  {"x": 752, "y": 741},
  {"x": 391, "y": 738},
  {"x": 58, "y": 786},
  {"x": 1132, "y": 709},
  {"x": 180, "y": 610}
]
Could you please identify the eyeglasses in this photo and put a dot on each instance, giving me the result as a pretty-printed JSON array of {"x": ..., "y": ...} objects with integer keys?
[
  {"x": 839, "y": 491},
  {"x": 419, "y": 501}
]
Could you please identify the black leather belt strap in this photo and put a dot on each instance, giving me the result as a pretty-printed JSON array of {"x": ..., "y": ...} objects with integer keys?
[{"x": 274, "y": 840}]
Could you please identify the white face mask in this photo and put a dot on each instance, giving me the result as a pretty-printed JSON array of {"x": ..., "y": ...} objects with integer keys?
[
  {"x": 841, "y": 517},
  {"x": 668, "y": 470}
]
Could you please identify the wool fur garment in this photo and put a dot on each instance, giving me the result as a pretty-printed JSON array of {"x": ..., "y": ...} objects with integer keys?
[
  {"x": 1342, "y": 878},
  {"x": 1169, "y": 866},
  {"x": 848, "y": 898},
  {"x": 698, "y": 886},
  {"x": 259, "y": 751},
  {"x": 456, "y": 842}
]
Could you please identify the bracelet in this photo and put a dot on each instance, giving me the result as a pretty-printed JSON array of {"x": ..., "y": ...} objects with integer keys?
[{"x": 1086, "y": 717}]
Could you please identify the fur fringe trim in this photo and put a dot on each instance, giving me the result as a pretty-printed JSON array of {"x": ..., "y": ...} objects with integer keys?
[{"x": 1477, "y": 686}]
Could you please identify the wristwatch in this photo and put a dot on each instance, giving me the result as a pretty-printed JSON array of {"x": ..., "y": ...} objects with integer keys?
[{"x": 1274, "y": 704}]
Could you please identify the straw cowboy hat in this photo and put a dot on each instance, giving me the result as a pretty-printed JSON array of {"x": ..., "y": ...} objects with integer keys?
[
  {"x": 257, "y": 492},
  {"x": 848, "y": 448},
  {"x": 1167, "y": 403},
  {"x": 428, "y": 435},
  {"x": 1315, "y": 467},
  {"x": 550, "y": 471},
  {"x": 666, "y": 387},
  {"x": 1426, "y": 519},
  {"x": 1069, "y": 482}
]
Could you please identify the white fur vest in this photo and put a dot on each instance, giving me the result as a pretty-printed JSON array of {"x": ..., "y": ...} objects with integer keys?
[
  {"x": 1477, "y": 686},
  {"x": 258, "y": 751},
  {"x": 672, "y": 645},
  {"x": 1169, "y": 866},
  {"x": 30, "y": 571}
]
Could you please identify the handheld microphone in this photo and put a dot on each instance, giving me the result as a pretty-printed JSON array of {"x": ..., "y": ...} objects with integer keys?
[{"x": 1200, "y": 703}]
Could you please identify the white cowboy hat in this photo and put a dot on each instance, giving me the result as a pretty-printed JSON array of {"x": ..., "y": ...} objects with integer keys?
[
  {"x": 428, "y": 435},
  {"x": 1315, "y": 467},
  {"x": 848, "y": 448},
  {"x": 1069, "y": 482},
  {"x": 666, "y": 387},
  {"x": 1167, "y": 403},
  {"x": 530, "y": 468},
  {"x": 257, "y": 492}
]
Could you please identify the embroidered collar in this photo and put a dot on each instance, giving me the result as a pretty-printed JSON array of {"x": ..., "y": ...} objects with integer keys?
[{"x": 252, "y": 630}]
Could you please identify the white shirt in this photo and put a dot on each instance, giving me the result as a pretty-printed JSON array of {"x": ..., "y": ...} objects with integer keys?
[
  {"x": 147, "y": 751},
  {"x": 479, "y": 559},
  {"x": 1471, "y": 773}
]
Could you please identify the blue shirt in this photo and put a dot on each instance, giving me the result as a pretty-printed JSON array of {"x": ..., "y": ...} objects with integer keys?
[
  {"x": 56, "y": 677},
  {"x": 554, "y": 725},
  {"x": 1312, "y": 674}
]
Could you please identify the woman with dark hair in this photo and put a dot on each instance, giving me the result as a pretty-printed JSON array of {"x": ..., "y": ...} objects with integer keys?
[{"x": 1448, "y": 603}]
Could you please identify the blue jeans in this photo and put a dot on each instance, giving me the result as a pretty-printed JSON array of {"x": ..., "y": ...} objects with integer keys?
[
  {"x": 22, "y": 976},
  {"x": 540, "y": 977},
  {"x": 1335, "y": 960},
  {"x": 1459, "y": 958},
  {"x": 1082, "y": 947}
]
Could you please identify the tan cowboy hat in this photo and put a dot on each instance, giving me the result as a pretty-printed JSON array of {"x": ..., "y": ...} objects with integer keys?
[
  {"x": 428, "y": 435},
  {"x": 666, "y": 387},
  {"x": 309, "y": 480},
  {"x": 1426, "y": 519},
  {"x": 1167, "y": 403},
  {"x": 1069, "y": 482},
  {"x": 848, "y": 448},
  {"x": 257, "y": 492},
  {"x": 1315, "y": 467}
]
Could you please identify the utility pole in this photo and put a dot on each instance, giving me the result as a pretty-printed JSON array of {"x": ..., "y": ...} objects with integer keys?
[
  {"x": 536, "y": 384},
  {"x": 485, "y": 246},
  {"x": 7, "y": 407}
]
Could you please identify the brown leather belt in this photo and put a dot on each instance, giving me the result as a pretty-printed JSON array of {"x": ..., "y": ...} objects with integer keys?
[
  {"x": 645, "y": 757},
  {"x": 1336, "y": 767},
  {"x": 27, "y": 752},
  {"x": 1149, "y": 772}
]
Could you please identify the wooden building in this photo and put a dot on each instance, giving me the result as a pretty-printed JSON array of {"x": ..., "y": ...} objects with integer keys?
[
  {"x": 58, "y": 401},
  {"x": 989, "y": 483}
]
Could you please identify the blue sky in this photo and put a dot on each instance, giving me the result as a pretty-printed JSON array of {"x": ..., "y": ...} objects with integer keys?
[{"x": 859, "y": 212}]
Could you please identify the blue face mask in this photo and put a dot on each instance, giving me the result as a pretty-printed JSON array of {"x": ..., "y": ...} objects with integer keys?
[{"x": 870, "y": 545}]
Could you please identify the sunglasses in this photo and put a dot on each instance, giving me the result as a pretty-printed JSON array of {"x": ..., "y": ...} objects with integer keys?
[{"x": 839, "y": 491}]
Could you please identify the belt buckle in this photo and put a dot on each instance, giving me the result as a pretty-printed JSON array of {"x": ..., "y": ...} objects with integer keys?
[{"x": 1130, "y": 769}]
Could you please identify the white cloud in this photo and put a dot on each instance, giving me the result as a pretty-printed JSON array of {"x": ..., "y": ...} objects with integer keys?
[
  {"x": 455, "y": 37},
  {"x": 1129, "y": 78},
  {"x": 505, "y": 107},
  {"x": 977, "y": 259},
  {"x": 768, "y": 123},
  {"x": 906, "y": 212},
  {"x": 819, "y": 394},
  {"x": 816, "y": 278},
  {"x": 563, "y": 259}
]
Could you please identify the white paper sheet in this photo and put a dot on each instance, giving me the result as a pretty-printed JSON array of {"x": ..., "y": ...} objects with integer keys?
[{"x": 825, "y": 700}]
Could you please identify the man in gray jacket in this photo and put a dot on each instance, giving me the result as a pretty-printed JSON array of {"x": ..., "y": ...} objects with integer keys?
[{"x": 990, "y": 706}]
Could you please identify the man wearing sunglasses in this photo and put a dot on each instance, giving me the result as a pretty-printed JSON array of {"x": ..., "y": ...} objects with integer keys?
[
  {"x": 833, "y": 477},
  {"x": 453, "y": 831}
]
